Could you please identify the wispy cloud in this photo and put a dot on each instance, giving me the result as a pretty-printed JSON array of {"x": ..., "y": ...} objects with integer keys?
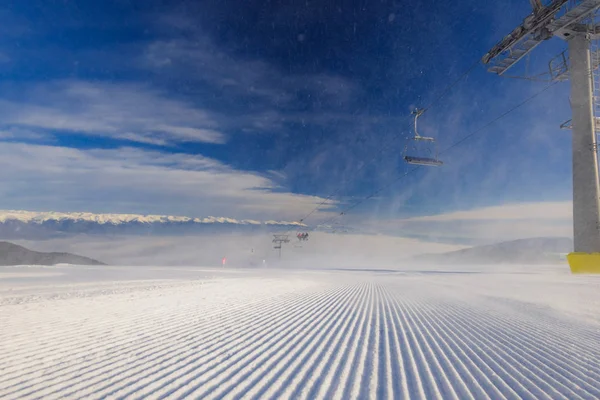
[
  {"x": 523, "y": 211},
  {"x": 24, "y": 135},
  {"x": 264, "y": 96},
  {"x": 199, "y": 89},
  {"x": 125, "y": 111},
  {"x": 251, "y": 96},
  {"x": 323, "y": 250},
  {"x": 130, "y": 180},
  {"x": 487, "y": 224}
]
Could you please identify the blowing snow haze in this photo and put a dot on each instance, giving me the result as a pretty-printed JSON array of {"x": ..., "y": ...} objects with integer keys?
[{"x": 295, "y": 199}]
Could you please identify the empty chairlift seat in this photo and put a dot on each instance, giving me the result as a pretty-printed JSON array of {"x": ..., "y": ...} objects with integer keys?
[
  {"x": 423, "y": 161},
  {"x": 427, "y": 145}
]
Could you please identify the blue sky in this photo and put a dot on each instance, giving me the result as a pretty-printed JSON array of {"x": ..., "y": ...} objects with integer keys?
[{"x": 260, "y": 109}]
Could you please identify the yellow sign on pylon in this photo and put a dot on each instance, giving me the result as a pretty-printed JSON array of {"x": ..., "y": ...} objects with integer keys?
[{"x": 584, "y": 263}]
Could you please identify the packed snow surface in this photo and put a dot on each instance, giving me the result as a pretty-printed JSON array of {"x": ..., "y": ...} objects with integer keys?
[{"x": 123, "y": 332}]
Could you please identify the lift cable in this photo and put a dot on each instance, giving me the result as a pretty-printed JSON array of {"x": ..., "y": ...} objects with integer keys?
[
  {"x": 452, "y": 146},
  {"x": 516, "y": 106},
  {"x": 443, "y": 93},
  {"x": 451, "y": 86},
  {"x": 345, "y": 179}
]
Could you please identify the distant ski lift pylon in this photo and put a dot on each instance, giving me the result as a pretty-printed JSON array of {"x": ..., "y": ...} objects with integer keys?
[{"x": 418, "y": 158}]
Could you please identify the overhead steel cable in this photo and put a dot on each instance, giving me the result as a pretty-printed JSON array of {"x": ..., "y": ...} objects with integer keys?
[
  {"x": 441, "y": 95},
  {"x": 475, "y": 132},
  {"x": 451, "y": 86},
  {"x": 452, "y": 146},
  {"x": 345, "y": 179}
]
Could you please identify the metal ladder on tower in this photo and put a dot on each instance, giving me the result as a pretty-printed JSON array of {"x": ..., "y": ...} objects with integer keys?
[
  {"x": 559, "y": 70},
  {"x": 517, "y": 52},
  {"x": 576, "y": 11},
  {"x": 595, "y": 59}
]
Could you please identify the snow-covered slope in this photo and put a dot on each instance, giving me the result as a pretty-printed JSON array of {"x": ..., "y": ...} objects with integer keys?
[
  {"x": 275, "y": 334},
  {"x": 31, "y": 224}
]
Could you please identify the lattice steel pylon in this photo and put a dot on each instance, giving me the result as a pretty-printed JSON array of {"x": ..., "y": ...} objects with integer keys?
[
  {"x": 279, "y": 240},
  {"x": 575, "y": 22}
]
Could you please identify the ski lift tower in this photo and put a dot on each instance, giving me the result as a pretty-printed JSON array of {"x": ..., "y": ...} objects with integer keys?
[
  {"x": 278, "y": 240},
  {"x": 572, "y": 21}
]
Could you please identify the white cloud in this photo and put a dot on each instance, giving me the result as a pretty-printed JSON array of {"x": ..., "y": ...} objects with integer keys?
[
  {"x": 522, "y": 211},
  {"x": 21, "y": 134},
  {"x": 125, "y": 111},
  {"x": 486, "y": 224},
  {"x": 39, "y": 217},
  {"x": 129, "y": 180},
  {"x": 274, "y": 92}
]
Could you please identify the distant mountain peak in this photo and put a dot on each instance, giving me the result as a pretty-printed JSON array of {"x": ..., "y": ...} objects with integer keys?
[
  {"x": 13, "y": 254},
  {"x": 19, "y": 224},
  {"x": 40, "y": 217}
]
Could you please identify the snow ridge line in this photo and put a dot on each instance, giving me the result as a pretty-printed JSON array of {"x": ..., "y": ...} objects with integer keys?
[
  {"x": 553, "y": 367},
  {"x": 61, "y": 303},
  {"x": 397, "y": 376},
  {"x": 293, "y": 317},
  {"x": 270, "y": 371},
  {"x": 134, "y": 326},
  {"x": 169, "y": 361},
  {"x": 367, "y": 336},
  {"x": 448, "y": 380},
  {"x": 448, "y": 350},
  {"x": 331, "y": 306},
  {"x": 323, "y": 376},
  {"x": 160, "y": 331},
  {"x": 309, "y": 364},
  {"x": 515, "y": 376},
  {"x": 340, "y": 377}
]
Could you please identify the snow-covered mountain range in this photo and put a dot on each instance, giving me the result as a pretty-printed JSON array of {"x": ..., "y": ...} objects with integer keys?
[{"x": 30, "y": 224}]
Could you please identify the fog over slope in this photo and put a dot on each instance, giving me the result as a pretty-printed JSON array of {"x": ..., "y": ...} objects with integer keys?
[
  {"x": 132, "y": 239},
  {"x": 243, "y": 250},
  {"x": 532, "y": 250}
]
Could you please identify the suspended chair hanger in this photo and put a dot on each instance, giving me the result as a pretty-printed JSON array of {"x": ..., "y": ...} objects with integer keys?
[{"x": 420, "y": 159}]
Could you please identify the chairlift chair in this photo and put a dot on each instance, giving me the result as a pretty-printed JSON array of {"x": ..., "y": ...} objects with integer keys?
[
  {"x": 302, "y": 236},
  {"x": 432, "y": 162},
  {"x": 419, "y": 159}
]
